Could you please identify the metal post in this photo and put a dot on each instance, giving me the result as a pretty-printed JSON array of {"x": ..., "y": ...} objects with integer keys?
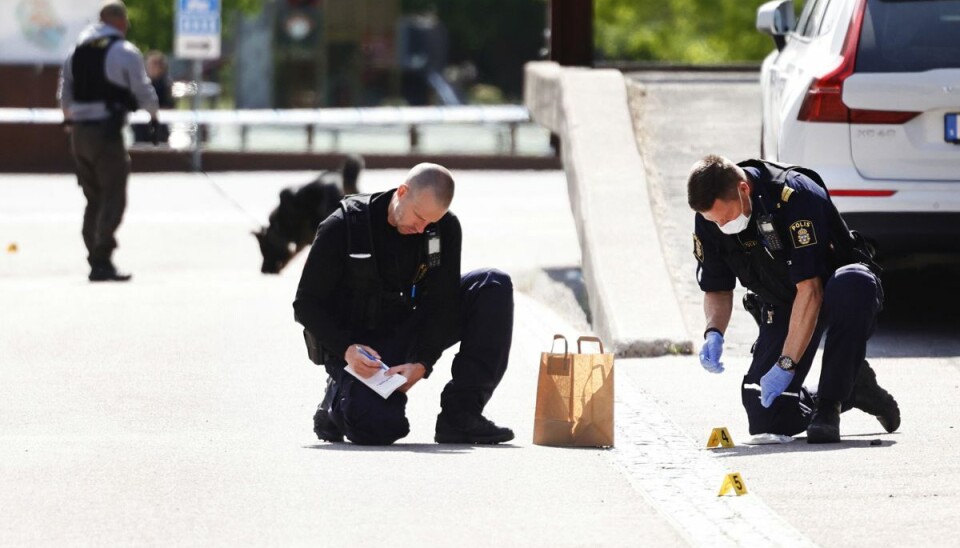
[
  {"x": 414, "y": 138},
  {"x": 571, "y": 32},
  {"x": 197, "y": 76},
  {"x": 513, "y": 138},
  {"x": 309, "y": 137}
]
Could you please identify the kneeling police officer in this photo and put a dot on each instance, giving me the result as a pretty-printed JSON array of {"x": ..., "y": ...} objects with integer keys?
[
  {"x": 776, "y": 230},
  {"x": 383, "y": 278}
]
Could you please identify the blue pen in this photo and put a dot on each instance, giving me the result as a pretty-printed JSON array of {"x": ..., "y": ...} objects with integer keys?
[
  {"x": 370, "y": 356},
  {"x": 413, "y": 291}
]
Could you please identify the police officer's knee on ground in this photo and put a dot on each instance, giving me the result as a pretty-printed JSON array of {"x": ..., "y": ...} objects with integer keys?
[
  {"x": 383, "y": 278},
  {"x": 777, "y": 231}
]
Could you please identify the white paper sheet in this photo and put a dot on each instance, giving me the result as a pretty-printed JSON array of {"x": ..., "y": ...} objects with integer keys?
[{"x": 381, "y": 383}]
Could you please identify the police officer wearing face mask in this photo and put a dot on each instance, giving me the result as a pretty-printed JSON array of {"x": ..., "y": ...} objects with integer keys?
[
  {"x": 382, "y": 281},
  {"x": 776, "y": 230},
  {"x": 102, "y": 80}
]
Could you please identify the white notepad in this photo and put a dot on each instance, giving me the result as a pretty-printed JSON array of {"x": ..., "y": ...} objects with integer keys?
[{"x": 381, "y": 383}]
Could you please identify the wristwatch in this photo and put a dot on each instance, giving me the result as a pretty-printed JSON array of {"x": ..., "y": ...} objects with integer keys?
[{"x": 786, "y": 363}]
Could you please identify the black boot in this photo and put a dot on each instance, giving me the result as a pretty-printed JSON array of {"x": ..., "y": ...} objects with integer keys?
[
  {"x": 106, "y": 272},
  {"x": 825, "y": 424},
  {"x": 469, "y": 428},
  {"x": 871, "y": 398},
  {"x": 323, "y": 426}
]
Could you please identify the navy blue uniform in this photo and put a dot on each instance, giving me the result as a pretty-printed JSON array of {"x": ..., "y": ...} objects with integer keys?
[
  {"x": 852, "y": 296},
  {"x": 475, "y": 309}
]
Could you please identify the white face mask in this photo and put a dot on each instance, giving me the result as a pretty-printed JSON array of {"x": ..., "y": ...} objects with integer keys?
[{"x": 739, "y": 224}]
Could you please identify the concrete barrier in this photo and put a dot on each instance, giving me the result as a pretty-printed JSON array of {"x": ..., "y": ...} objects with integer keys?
[{"x": 632, "y": 301}]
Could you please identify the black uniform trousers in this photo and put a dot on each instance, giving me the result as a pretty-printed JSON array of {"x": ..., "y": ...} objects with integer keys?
[
  {"x": 485, "y": 334},
  {"x": 103, "y": 166},
  {"x": 852, "y": 298}
]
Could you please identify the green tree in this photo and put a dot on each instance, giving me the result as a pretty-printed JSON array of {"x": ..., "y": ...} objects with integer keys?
[
  {"x": 686, "y": 31},
  {"x": 151, "y": 21}
]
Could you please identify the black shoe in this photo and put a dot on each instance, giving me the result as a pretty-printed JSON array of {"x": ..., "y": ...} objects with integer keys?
[
  {"x": 323, "y": 426},
  {"x": 465, "y": 428},
  {"x": 108, "y": 274},
  {"x": 871, "y": 398},
  {"x": 825, "y": 424}
]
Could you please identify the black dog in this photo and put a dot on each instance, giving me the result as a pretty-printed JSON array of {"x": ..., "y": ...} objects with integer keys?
[{"x": 293, "y": 223}]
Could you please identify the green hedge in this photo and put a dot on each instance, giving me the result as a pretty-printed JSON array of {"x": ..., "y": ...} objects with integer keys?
[{"x": 685, "y": 31}]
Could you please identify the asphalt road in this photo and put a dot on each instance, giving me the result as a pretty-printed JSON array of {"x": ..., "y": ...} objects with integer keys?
[
  {"x": 901, "y": 492},
  {"x": 176, "y": 409}
]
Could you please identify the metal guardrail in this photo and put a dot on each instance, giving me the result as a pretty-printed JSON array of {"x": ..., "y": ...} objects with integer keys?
[
  {"x": 321, "y": 117},
  {"x": 329, "y": 119}
]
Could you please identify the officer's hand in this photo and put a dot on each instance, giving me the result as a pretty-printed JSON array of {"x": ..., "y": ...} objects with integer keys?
[
  {"x": 154, "y": 130},
  {"x": 412, "y": 371},
  {"x": 711, "y": 352},
  {"x": 773, "y": 384},
  {"x": 363, "y": 365}
]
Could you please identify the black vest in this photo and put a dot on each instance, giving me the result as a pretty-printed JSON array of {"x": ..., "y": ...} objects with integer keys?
[
  {"x": 765, "y": 273},
  {"x": 90, "y": 83},
  {"x": 365, "y": 300}
]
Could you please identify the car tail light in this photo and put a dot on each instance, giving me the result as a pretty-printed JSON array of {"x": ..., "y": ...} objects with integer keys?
[
  {"x": 824, "y": 99},
  {"x": 863, "y": 193}
]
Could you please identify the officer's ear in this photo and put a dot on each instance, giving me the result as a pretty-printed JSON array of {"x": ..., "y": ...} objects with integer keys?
[{"x": 402, "y": 190}]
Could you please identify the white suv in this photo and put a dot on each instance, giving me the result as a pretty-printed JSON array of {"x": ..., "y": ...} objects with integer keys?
[{"x": 867, "y": 93}]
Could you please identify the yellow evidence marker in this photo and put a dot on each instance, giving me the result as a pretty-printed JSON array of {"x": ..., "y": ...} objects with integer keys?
[
  {"x": 735, "y": 482},
  {"x": 12, "y": 248},
  {"x": 720, "y": 436}
]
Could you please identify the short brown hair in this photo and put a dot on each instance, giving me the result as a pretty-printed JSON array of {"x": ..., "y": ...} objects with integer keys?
[{"x": 712, "y": 178}]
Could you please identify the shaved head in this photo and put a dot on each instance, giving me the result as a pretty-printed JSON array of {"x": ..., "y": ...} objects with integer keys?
[
  {"x": 435, "y": 178},
  {"x": 112, "y": 9}
]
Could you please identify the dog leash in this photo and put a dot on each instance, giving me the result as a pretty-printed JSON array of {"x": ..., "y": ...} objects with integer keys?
[{"x": 258, "y": 221}]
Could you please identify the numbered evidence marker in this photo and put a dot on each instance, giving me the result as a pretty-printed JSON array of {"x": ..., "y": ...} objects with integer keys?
[
  {"x": 735, "y": 482},
  {"x": 720, "y": 436}
]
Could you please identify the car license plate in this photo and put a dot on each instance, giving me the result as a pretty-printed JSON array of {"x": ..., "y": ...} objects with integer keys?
[{"x": 951, "y": 131}]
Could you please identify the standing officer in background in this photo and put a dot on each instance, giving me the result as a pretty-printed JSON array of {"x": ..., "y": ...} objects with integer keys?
[
  {"x": 383, "y": 278},
  {"x": 102, "y": 80},
  {"x": 158, "y": 70},
  {"x": 777, "y": 231}
]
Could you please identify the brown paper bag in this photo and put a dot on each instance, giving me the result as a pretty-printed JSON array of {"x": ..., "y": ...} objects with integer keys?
[{"x": 574, "y": 398}]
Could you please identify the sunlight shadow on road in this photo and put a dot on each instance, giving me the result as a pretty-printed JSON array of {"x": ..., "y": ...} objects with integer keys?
[
  {"x": 919, "y": 318},
  {"x": 432, "y": 448},
  {"x": 800, "y": 445}
]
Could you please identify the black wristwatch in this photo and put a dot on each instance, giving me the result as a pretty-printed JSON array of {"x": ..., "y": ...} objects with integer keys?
[{"x": 786, "y": 363}]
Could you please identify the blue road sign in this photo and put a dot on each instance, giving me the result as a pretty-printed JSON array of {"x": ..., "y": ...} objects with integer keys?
[
  {"x": 197, "y": 29},
  {"x": 199, "y": 25},
  {"x": 199, "y": 6}
]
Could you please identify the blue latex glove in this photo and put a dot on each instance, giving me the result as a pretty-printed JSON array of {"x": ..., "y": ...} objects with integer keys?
[
  {"x": 773, "y": 384},
  {"x": 711, "y": 352}
]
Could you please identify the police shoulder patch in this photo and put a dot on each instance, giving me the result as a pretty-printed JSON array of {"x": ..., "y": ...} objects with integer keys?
[
  {"x": 697, "y": 248},
  {"x": 802, "y": 234}
]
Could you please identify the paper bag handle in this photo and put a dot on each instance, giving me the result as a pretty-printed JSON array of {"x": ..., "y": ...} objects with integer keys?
[
  {"x": 565, "y": 348},
  {"x": 589, "y": 339}
]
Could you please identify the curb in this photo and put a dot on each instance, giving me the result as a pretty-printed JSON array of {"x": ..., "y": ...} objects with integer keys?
[{"x": 632, "y": 300}]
